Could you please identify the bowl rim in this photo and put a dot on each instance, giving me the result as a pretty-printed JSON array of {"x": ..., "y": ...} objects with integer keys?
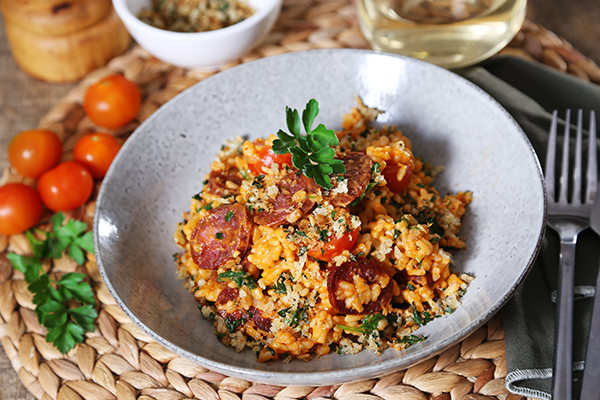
[
  {"x": 352, "y": 374},
  {"x": 130, "y": 19}
]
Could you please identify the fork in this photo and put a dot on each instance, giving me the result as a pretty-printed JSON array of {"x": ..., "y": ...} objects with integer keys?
[{"x": 568, "y": 217}]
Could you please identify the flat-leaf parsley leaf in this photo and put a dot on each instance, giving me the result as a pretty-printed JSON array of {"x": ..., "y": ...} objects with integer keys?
[
  {"x": 54, "y": 298},
  {"x": 313, "y": 153}
]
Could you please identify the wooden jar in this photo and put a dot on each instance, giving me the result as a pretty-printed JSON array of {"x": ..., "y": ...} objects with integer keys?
[{"x": 63, "y": 40}]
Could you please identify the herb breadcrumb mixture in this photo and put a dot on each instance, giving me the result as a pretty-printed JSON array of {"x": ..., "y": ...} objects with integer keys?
[
  {"x": 195, "y": 15},
  {"x": 302, "y": 245}
]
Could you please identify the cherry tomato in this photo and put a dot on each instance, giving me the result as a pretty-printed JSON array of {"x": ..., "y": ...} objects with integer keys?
[
  {"x": 20, "y": 208},
  {"x": 390, "y": 173},
  {"x": 112, "y": 102},
  {"x": 334, "y": 247},
  {"x": 34, "y": 152},
  {"x": 95, "y": 151},
  {"x": 66, "y": 186},
  {"x": 262, "y": 155}
]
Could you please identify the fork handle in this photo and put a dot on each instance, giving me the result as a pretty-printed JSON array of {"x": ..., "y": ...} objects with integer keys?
[{"x": 562, "y": 382}]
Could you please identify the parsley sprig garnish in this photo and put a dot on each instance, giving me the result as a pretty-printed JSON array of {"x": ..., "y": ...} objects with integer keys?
[
  {"x": 54, "y": 298},
  {"x": 313, "y": 153}
]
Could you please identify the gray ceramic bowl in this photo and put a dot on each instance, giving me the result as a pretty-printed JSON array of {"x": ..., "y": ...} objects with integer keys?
[{"x": 450, "y": 122}]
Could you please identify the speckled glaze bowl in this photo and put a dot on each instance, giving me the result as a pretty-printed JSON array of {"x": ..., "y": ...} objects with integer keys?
[{"x": 450, "y": 121}]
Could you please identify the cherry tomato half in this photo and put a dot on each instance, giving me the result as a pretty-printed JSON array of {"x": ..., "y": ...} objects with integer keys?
[
  {"x": 66, "y": 186},
  {"x": 334, "y": 247},
  {"x": 34, "y": 152},
  {"x": 112, "y": 102},
  {"x": 20, "y": 208},
  {"x": 260, "y": 155},
  {"x": 390, "y": 173},
  {"x": 96, "y": 151}
]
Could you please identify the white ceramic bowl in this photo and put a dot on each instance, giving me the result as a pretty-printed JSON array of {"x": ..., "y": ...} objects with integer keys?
[
  {"x": 450, "y": 122},
  {"x": 200, "y": 50}
]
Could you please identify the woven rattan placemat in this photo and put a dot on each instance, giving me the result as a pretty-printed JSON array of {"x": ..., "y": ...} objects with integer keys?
[{"x": 119, "y": 361}]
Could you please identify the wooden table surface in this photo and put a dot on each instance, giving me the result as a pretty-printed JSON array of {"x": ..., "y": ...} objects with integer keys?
[{"x": 24, "y": 100}]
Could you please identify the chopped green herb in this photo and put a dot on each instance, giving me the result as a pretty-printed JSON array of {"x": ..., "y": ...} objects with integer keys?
[
  {"x": 323, "y": 234},
  {"x": 294, "y": 317},
  {"x": 204, "y": 182},
  {"x": 279, "y": 286},
  {"x": 397, "y": 234},
  {"x": 219, "y": 235},
  {"x": 232, "y": 325},
  {"x": 245, "y": 175},
  {"x": 207, "y": 207},
  {"x": 333, "y": 214},
  {"x": 258, "y": 181},
  {"x": 368, "y": 324},
  {"x": 239, "y": 277},
  {"x": 229, "y": 215},
  {"x": 410, "y": 287},
  {"x": 313, "y": 154},
  {"x": 197, "y": 196},
  {"x": 411, "y": 339},
  {"x": 416, "y": 316}
]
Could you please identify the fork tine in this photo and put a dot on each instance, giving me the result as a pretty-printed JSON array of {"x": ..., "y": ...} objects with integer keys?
[
  {"x": 564, "y": 174},
  {"x": 592, "y": 172},
  {"x": 576, "y": 195},
  {"x": 551, "y": 158}
]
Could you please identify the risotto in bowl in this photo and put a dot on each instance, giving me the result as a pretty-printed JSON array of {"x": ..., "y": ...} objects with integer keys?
[{"x": 337, "y": 215}]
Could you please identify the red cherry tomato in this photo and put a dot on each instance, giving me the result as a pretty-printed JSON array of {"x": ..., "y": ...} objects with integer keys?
[
  {"x": 335, "y": 246},
  {"x": 263, "y": 156},
  {"x": 66, "y": 186},
  {"x": 20, "y": 208},
  {"x": 96, "y": 151},
  {"x": 112, "y": 102},
  {"x": 34, "y": 152},
  {"x": 390, "y": 173}
]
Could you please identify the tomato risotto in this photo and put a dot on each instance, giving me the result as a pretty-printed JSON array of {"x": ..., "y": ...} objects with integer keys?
[{"x": 303, "y": 245}]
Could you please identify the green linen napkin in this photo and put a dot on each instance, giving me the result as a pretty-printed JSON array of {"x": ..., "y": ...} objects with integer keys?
[{"x": 530, "y": 92}]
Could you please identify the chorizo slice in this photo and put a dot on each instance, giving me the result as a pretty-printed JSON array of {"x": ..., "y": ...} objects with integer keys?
[
  {"x": 217, "y": 182},
  {"x": 227, "y": 294},
  {"x": 260, "y": 322},
  {"x": 372, "y": 273},
  {"x": 358, "y": 175},
  {"x": 239, "y": 318},
  {"x": 219, "y": 235},
  {"x": 284, "y": 205}
]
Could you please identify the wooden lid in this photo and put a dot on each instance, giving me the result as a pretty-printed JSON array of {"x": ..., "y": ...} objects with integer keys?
[{"x": 54, "y": 17}]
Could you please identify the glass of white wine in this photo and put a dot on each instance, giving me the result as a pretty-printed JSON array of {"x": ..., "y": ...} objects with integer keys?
[{"x": 449, "y": 33}]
